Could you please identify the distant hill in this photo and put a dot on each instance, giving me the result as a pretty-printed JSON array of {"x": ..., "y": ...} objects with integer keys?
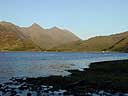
[
  {"x": 116, "y": 42},
  {"x": 12, "y": 39},
  {"x": 33, "y": 38},
  {"x": 62, "y": 36},
  {"x": 36, "y": 38},
  {"x": 38, "y": 35},
  {"x": 48, "y": 38}
]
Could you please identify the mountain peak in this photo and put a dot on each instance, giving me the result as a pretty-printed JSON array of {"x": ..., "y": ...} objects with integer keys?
[
  {"x": 55, "y": 28},
  {"x": 6, "y": 23},
  {"x": 35, "y": 25}
]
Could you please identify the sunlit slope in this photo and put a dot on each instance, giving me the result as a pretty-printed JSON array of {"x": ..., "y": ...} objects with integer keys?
[
  {"x": 116, "y": 42},
  {"x": 48, "y": 38},
  {"x": 12, "y": 39}
]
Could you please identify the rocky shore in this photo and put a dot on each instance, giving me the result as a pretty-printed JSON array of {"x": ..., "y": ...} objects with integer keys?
[{"x": 109, "y": 78}]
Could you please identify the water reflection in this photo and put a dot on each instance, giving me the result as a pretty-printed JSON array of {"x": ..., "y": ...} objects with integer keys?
[{"x": 6, "y": 72}]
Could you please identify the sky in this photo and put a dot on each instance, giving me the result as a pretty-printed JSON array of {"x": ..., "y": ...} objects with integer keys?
[{"x": 85, "y": 18}]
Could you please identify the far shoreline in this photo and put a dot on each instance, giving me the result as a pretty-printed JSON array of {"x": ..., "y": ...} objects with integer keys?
[{"x": 68, "y": 51}]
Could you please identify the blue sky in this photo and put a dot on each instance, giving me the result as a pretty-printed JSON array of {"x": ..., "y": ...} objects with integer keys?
[{"x": 85, "y": 18}]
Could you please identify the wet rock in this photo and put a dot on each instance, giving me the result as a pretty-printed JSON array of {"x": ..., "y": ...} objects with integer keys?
[
  {"x": 23, "y": 87},
  {"x": 78, "y": 83},
  {"x": 29, "y": 94}
]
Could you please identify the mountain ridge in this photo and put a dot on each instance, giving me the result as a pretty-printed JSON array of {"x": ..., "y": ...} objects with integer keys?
[
  {"x": 98, "y": 43},
  {"x": 36, "y": 38},
  {"x": 12, "y": 39},
  {"x": 39, "y": 37}
]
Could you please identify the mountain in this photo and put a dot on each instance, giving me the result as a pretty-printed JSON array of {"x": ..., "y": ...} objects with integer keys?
[
  {"x": 12, "y": 39},
  {"x": 121, "y": 46},
  {"x": 33, "y": 38},
  {"x": 116, "y": 42},
  {"x": 48, "y": 38},
  {"x": 36, "y": 38},
  {"x": 62, "y": 36},
  {"x": 38, "y": 35}
]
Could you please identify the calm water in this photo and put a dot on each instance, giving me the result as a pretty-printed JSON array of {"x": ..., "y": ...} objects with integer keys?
[{"x": 35, "y": 64}]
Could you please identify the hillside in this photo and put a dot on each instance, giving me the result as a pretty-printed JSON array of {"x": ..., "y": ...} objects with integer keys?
[
  {"x": 116, "y": 42},
  {"x": 48, "y": 38},
  {"x": 38, "y": 35},
  {"x": 33, "y": 38},
  {"x": 12, "y": 39},
  {"x": 36, "y": 38},
  {"x": 62, "y": 36}
]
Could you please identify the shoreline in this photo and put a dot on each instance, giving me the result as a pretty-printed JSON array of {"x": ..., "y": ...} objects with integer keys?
[{"x": 109, "y": 76}]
